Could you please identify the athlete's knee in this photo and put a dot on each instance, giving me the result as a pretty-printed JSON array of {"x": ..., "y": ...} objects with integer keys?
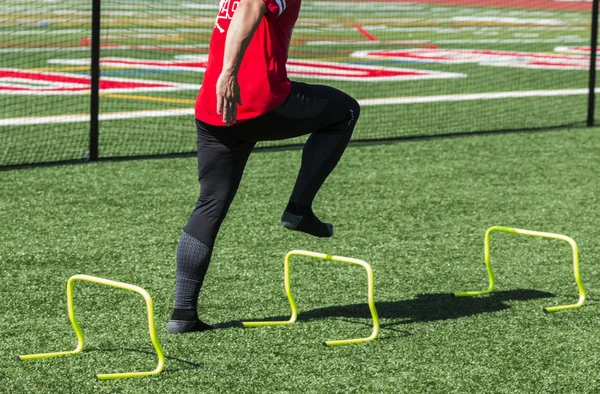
[
  {"x": 351, "y": 108},
  {"x": 354, "y": 110},
  {"x": 206, "y": 219},
  {"x": 352, "y": 113}
]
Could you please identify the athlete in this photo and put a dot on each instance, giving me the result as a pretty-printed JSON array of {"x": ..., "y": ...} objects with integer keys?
[{"x": 247, "y": 97}]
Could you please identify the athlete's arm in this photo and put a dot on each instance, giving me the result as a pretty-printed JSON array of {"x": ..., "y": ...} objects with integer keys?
[{"x": 244, "y": 23}]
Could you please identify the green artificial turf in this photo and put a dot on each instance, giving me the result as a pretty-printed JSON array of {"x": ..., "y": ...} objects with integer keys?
[{"x": 417, "y": 211}]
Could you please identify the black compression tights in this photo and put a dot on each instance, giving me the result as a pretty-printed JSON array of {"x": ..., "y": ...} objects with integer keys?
[{"x": 327, "y": 114}]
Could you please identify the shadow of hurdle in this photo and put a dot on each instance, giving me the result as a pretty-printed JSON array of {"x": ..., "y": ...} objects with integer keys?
[
  {"x": 189, "y": 365},
  {"x": 421, "y": 309}
]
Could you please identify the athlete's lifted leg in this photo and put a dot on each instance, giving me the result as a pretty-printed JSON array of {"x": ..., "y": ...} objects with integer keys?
[{"x": 330, "y": 116}]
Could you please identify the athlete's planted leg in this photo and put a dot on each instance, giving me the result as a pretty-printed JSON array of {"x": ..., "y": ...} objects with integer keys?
[{"x": 221, "y": 163}]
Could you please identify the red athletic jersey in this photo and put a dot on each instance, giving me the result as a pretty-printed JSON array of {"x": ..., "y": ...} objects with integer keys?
[{"x": 263, "y": 80}]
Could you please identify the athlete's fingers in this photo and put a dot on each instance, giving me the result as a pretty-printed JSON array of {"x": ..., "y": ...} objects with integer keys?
[
  {"x": 230, "y": 106},
  {"x": 225, "y": 111},
  {"x": 219, "y": 103},
  {"x": 232, "y": 112}
]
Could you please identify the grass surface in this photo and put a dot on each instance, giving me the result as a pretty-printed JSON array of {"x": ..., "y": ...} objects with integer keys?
[{"x": 416, "y": 211}]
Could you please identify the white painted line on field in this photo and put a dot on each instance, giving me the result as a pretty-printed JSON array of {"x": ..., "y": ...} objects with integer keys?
[
  {"x": 112, "y": 48},
  {"x": 201, "y": 6},
  {"x": 564, "y": 40},
  {"x": 86, "y": 118},
  {"x": 173, "y": 31},
  {"x": 34, "y": 50},
  {"x": 509, "y": 20},
  {"x": 365, "y": 103},
  {"x": 473, "y": 97}
]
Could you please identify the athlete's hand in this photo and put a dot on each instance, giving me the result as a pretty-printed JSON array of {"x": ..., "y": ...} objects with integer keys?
[{"x": 228, "y": 97}]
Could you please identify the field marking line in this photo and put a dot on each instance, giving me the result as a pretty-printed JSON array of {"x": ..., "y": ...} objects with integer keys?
[
  {"x": 365, "y": 33},
  {"x": 35, "y": 50},
  {"x": 147, "y": 98},
  {"x": 329, "y": 59},
  {"x": 78, "y": 118},
  {"x": 72, "y": 68},
  {"x": 79, "y": 68},
  {"x": 174, "y": 48},
  {"x": 565, "y": 40},
  {"x": 473, "y": 97}
]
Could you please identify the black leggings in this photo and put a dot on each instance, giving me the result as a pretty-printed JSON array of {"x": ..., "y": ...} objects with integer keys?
[{"x": 328, "y": 114}]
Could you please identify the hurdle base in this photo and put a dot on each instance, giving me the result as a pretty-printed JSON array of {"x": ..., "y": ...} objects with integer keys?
[
  {"x": 471, "y": 293},
  {"x": 553, "y": 309},
  {"x": 254, "y": 324}
]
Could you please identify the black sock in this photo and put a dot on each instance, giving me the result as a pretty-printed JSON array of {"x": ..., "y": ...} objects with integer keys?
[
  {"x": 193, "y": 258},
  {"x": 303, "y": 219},
  {"x": 184, "y": 314}
]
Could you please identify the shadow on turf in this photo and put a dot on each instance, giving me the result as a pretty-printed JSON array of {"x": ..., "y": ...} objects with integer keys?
[
  {"x": 423, "y": 308},
  {"x": 190, "y": 364}
]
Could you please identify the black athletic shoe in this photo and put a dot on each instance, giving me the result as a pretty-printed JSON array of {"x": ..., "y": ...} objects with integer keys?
[
  {"x": 308, "y": 224},
  {"x": 183, "y": 326},
  {"x": 186, "y": 320}
]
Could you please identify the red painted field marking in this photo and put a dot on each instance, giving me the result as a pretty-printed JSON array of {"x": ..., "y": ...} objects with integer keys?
[
  {"x": 30, "y": 82},
  {"x": 365, "y": 33},
  {"x": 533, "y": 60},
  {"x": 296, "y": 68}
]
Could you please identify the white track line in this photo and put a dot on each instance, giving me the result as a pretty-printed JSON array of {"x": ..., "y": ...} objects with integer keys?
[
  {"x": 364, "y": 103},
  {"x": 35, "y": 50},
  {"x": 86, "y": 118},
  {"x": 559, "y": 40},
  {"x": 472, "y": 97},
  {"x": 111, "y": 48}
]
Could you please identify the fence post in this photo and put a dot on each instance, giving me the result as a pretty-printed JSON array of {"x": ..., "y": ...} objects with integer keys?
[
  {"x": 95, "y": 76},
  {"x": 593, "y": 55}
]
